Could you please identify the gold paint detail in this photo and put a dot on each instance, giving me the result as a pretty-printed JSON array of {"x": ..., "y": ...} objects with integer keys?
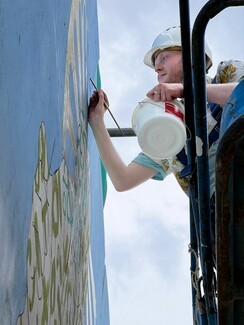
[{"x": 60, "y": 279}]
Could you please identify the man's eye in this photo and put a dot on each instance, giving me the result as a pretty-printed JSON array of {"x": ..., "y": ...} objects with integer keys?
[{"x": 164, "y": 58}]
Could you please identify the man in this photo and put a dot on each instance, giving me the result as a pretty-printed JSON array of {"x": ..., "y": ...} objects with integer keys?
[{"x": 166, "y": 59}]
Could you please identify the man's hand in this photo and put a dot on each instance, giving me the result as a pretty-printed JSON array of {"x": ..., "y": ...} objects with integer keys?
[
  {"x": 166, "y": 92},
  {"x": 97, "y": 106}
]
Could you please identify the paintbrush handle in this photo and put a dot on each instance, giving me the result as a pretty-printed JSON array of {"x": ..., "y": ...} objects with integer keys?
[{"x": 106, "y": 105}]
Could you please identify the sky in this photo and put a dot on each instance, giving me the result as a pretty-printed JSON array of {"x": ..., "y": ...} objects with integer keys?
[{"x": 147, "y": 228}]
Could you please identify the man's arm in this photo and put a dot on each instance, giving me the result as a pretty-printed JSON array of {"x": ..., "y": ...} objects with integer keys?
[
  {"x": 216, "y": 93},
  {"x": 220, "y": 93},
  {"x": 123, "y": 177}
]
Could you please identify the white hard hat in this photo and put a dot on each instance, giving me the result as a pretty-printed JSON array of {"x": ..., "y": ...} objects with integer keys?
[{"x": 169, "y": 39}]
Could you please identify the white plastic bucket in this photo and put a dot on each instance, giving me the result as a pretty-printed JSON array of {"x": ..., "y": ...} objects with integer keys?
[{"x": 160, "y": 128}]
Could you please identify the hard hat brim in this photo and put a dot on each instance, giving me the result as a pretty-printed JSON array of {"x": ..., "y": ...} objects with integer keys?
[
  {"x": 148, "y": 58},
  {"x": 170, "y": 39}
]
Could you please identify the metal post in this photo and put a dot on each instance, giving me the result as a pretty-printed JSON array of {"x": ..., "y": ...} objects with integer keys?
[{"x": 191, "y": 150}]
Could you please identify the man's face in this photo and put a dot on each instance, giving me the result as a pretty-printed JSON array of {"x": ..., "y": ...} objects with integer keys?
[{"x": 168, "y": 65}]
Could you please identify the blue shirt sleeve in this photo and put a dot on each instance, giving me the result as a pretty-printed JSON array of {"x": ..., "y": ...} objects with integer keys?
[{"x": 144, "y": 160}]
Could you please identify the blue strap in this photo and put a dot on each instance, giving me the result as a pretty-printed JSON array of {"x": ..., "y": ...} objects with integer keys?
[
  {"x": 182, "y": 157},
  {"x": 186, "y": 171},
  {"x": 216, "y": 112}
]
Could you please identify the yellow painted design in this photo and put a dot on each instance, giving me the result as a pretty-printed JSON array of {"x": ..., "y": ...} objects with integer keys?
[
  {"x": 227, "y": 74},
  {"x": 165, "y": 165},
  {"x": 58, "y": 252},
  {"x": 183, "y": 182},
  {"x": 173, "y": 165}
]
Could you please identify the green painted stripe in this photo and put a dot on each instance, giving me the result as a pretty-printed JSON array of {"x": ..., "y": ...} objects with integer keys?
[{"x": 103, "y": 170}]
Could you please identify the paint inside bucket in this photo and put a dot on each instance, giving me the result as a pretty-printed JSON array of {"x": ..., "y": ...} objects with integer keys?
[{"x": 159, "y": 127}]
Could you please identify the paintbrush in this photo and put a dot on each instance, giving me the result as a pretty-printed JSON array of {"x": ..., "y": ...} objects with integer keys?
[{"x": 106, "y": 105}]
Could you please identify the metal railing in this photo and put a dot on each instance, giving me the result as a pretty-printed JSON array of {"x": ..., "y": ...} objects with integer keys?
[{"x": 195, "y": 83}]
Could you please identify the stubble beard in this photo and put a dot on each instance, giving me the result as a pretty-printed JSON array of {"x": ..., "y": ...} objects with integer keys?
[{"x": 175, "y": 75}]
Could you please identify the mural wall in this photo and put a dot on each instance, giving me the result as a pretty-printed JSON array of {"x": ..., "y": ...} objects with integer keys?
[{"x": 52, "y": 255}]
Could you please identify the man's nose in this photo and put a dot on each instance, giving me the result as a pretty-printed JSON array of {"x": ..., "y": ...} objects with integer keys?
[{"x": 158, "y": 67}]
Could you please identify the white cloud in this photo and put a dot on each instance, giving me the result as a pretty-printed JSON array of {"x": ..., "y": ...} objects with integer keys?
[{"x": 147, "y": 297}]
